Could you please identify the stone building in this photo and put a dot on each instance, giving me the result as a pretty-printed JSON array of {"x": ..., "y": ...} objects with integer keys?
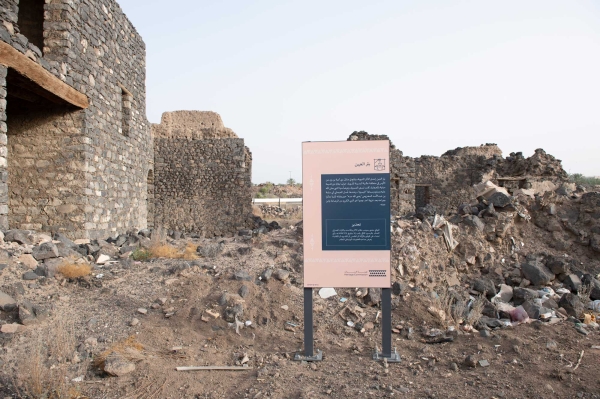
[
  {"x": 75, "y": 144},
  {"x": 202, "y": 175},
  {"x": 447, "y": 181}
]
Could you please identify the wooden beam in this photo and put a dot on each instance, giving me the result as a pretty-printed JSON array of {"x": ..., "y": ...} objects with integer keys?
[{"x": 37, "y": 74}]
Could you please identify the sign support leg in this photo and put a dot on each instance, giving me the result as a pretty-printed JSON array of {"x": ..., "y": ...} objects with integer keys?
[
  {"x": 309, "y": 355},
  {"x": 386, "y": 329}
]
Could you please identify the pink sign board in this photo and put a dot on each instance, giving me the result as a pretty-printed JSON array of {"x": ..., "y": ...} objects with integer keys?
[{"x": 346, "y": 212}]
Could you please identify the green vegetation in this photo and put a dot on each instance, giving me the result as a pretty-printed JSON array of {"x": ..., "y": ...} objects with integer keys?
[
  {"x": 578, "y": 178},
  {"x": 291, "y": 182},
  {"x": 141, "y": 254}
]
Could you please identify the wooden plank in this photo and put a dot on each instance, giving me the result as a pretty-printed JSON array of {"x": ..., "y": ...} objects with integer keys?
[
  {"x": 36, "y": 73},
  {"x": 231, "y": 368}
]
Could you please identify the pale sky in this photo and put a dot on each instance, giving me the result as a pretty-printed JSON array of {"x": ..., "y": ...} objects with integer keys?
[{"x": 432, "y": 75}]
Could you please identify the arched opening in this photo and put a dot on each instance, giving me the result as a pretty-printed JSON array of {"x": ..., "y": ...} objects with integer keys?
[{"x": 150, "y": 199}]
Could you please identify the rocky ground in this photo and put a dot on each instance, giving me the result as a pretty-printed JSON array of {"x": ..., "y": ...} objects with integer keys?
[{"x": 492, "y": 302}]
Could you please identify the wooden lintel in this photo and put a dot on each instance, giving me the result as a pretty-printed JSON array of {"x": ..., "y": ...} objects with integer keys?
[{"x": 37, "y": 74}]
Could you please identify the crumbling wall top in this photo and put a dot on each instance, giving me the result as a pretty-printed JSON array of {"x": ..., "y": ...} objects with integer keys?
[
  {"x": 488, "y": 150},
  {"x": 192, "y": 124}
]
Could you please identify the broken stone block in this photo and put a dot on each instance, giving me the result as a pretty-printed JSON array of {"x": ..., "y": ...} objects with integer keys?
[
  {"x": 45, "y": 251},
  {"x": 28, "y": 261},
  {"x": 12, "y": 328},
  {"x": 499, "y": 199},
  {"x": 572, "y": 304},
  {"x": 572, "y": 282},
  {"x": 472, "y": 220},
  {"x": 557, "y": 265},
  {"x": 506, "y": 293},
  {"x": 266, "y": 275},
  {"x": 373, "y": 296},
  {"x": 536, "y": 272},
  {"x": 282, "y": 275},
  {"x": 19, "y": 236},
  {"x": 533, "y": 309},
  {"x": 485, "y": 286},
  {"x": 64, "y": 240},
  {"x": 242, "y": 275},
  {"x": 30, "y": 276},
  {"x": 7, "y": 303},
  {"x": 521, "y": 295}
]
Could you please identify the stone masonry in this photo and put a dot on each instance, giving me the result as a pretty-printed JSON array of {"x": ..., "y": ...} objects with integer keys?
[
  {"x": 81, "y": 171},
  {"x": 447, "y": 181},
  {"x": 202, "y": 175}
]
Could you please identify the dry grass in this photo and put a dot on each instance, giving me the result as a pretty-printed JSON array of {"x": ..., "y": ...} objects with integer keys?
[
  {"x": 160, "y": 249},
  {"x": 171, "y": 252},
  {"x": 457, "y": 309},
  {"x": 70, "y": 269},
  {"x": 44, "y": 372}
]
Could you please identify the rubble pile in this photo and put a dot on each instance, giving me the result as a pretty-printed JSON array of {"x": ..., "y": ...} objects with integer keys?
[
  {"x": 553, "y": 277},
  {"x": 270, "y": 211}
]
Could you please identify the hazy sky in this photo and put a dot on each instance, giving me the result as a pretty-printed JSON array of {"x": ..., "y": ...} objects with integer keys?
[{"x": 432, "y": 75}]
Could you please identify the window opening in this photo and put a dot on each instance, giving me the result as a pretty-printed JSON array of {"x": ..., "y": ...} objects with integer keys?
[{"x": 30, "y": 20}]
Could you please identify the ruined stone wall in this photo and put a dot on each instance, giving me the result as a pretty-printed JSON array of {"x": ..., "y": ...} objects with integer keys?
[
  {"x": 202, "y": 186},
  {"x": 3, "y": 149},
  {"x": 447, "y": 181},
  {"x": 402, "y": 175},
  {"x": 91, "y": 46},
  {"x": 41, "y": 146}
]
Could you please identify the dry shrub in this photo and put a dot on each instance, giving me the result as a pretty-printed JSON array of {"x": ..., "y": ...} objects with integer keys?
[
  {"x": 584, "y": 293},
  {"x": 164, "y": 251},
  {"x": 44, "y": 372},
  {"x": 452, "y": 305},
  {"x": 129, "y": 348},
  {"x": 476, "y": 311},
  {"x": 189, "y": 253},
  {"x": 70, "y": 269}
]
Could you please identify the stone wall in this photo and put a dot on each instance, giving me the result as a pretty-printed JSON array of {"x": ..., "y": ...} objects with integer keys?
[
  {"x": 202, "y": 186},
  {"x": 91, "y": 46},
  {"x": 447, "y": 181}
]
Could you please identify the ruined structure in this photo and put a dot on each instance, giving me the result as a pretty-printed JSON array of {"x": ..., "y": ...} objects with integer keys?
[
  {"x": 447, "y": 181},
  {"x": 75, "y": 144},
  {"x": 202, "y": 180}
]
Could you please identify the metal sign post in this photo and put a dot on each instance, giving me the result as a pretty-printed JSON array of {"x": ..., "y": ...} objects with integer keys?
[
  {"x": 386, "y": 329},
  {"x": 309, "y": 355},
  {"x": 346, "y": 226}
]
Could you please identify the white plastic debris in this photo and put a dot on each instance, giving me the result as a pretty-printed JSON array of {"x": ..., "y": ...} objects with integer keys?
[
  {"x": 594, "y": 305},
  {"x": 248, "y": 323},
  {"x": 327, "y": 293},
  {"x": 350, "y": 323}
]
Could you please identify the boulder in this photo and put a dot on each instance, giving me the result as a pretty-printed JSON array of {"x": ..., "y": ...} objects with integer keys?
[
  {"x": 572, "y": 304},
  {"x": 19, "y": 236},
  {"x": 281, "y": 275},
  {"x": 521, "y": 295},
  {"x": 28, "y": 261},
  {"x": 45, "y": 251},
  {"x": 536, "y": 272},
  {"x": 7, "y": 303},
  {"x": 499, "y": 199},
  {"x": 485, "y": 286},
  {"x": 572, "y": 282},
  {"x": 64, "y": 240},
  {"x": 472, "y": 220},
  {"x": 557, "y": 265}
]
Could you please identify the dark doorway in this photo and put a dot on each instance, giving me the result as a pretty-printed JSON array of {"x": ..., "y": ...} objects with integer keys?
[{"x": 422, "y": 195}]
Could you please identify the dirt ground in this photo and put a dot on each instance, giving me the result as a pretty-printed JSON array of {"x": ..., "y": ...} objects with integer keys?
[{"x": 93, "y": 315}]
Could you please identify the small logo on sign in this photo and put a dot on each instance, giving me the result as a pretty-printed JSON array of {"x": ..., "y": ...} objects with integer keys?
[
  {"x": 379, "y": 164},
  {"x": 377, "y": 273}
]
